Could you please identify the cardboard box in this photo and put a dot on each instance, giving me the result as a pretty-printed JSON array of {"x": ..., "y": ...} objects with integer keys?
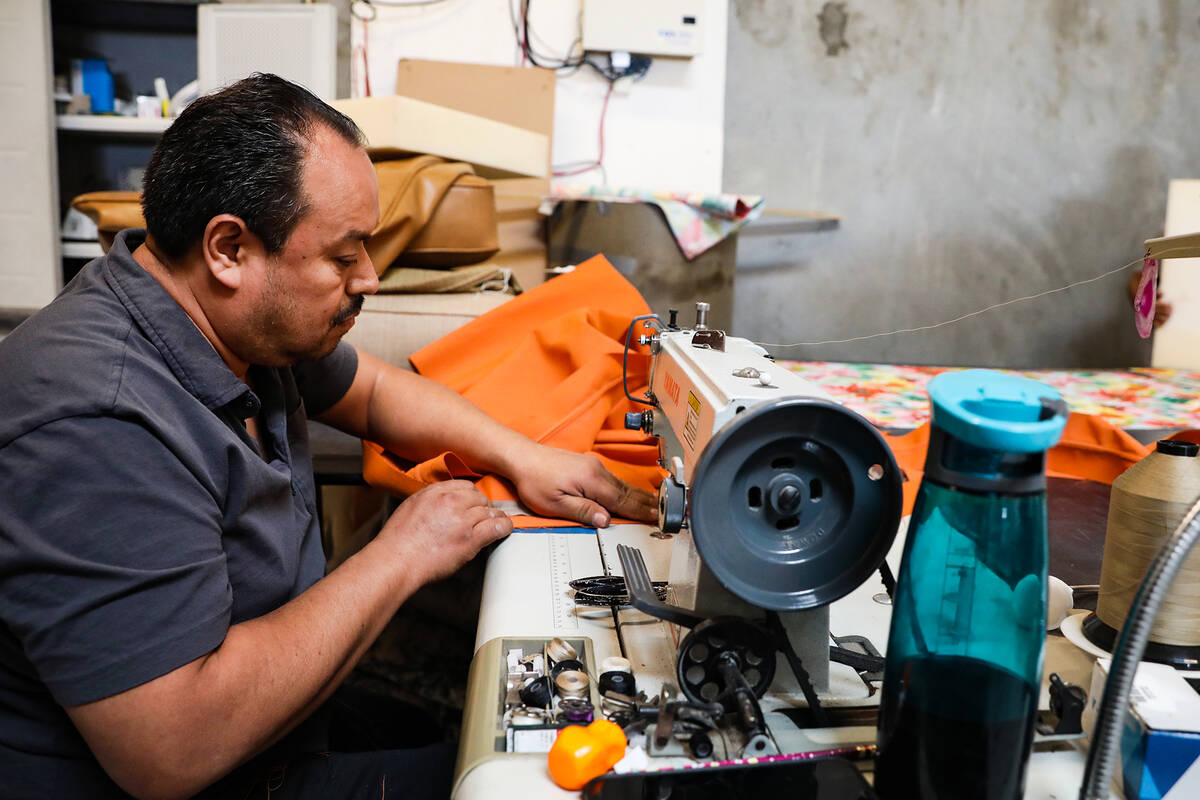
[
  {"x": 394, "y": 326},
  {"x": 520, "y": 96},
  {"x": 396, "y": 126},
  {"x": 520, "y": 230},
  {"x": 1160, "y": 743}
]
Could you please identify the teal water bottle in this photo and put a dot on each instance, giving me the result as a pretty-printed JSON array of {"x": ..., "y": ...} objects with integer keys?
[{"x": 964, "y": 655}]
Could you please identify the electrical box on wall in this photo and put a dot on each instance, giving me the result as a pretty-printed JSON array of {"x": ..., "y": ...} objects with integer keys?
[{"x": 650, "y": 27}]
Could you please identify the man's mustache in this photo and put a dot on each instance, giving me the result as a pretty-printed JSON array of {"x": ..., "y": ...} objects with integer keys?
[{"x": 353, "y": 307}]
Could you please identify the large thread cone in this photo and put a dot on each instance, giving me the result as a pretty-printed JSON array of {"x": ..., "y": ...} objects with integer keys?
[{"x": 1149, "y": 501}]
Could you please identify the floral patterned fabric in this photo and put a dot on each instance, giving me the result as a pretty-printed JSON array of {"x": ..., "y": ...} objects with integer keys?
[
  {"x": 697, "y": 221},
  {"x": 895, "y": 397}
]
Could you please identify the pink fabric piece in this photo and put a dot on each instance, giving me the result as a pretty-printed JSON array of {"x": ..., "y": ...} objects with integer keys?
[{"x": 1144, "y": 297}]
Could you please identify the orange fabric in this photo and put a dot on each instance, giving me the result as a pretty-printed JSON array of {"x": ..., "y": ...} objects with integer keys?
[
  {"x": 462, "y": 358},
  {"x": 381, "y": 468},
  {"x": 1091, "y": 448},
  {"x": 909, "y": 450},
  {"x": 1094, "y": 449},
  {"x": 548, "y": 364}
]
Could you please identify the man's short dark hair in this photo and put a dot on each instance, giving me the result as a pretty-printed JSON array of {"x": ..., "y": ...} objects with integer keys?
[{"x": 237, "y": 151}]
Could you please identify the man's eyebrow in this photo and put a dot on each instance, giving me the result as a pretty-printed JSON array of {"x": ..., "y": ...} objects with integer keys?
[{"x": 357, "y": 236}]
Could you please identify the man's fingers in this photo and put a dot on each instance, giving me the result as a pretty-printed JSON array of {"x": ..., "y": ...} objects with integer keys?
[
  {"x": 496, "y": 525},
  {"x": 613, "y": 498},
  {"x": 584, "y": 511},
  {"x": 463, "y": 492},
  {"x": 632, "y": 501}
]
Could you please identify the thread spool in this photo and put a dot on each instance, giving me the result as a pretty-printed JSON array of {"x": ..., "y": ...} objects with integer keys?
[
  {"x": 616, "y": 664},
  {"x": 566, "y": 665},
  {"x": 537, "y": 693},
  {"x": 1147, "y": 503},
  {"x": 576, "y": 711},
  {"x": 616, "y": 675},
  {"x": 559, "y": 650},
  {"x": 572, "y": 684},
  {"x": 618, "y": 682}
]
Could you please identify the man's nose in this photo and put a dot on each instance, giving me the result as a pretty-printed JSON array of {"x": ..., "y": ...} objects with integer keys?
[{"x": 364, "y": 280}]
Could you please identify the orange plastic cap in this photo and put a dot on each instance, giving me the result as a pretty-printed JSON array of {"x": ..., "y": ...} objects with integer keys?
[{"x": 580, "y": 754}]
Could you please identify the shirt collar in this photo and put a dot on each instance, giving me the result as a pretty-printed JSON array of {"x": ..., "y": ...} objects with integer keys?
[{"x": 186, "y": 351}]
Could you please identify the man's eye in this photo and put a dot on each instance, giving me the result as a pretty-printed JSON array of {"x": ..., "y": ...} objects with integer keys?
[{"x": 348, "y": 261}]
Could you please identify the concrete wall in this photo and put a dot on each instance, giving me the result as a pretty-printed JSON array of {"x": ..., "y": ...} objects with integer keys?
[{"x": 976, "y": 152}]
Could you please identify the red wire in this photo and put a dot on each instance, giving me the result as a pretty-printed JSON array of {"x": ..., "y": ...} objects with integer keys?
[
  {"x": 600, "y": 157},
  {"x": 524, "y": 35}
]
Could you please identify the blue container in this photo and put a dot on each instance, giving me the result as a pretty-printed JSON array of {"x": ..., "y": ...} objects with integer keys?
[
  {"x": 964, "y": 655},
  {"x": 97, "y": 84}
]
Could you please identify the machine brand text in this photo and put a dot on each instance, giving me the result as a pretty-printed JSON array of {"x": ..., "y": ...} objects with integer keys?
[{"x": 672, "y": 388}]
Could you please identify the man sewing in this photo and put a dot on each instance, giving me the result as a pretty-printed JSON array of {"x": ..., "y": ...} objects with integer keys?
[{"x": 165, "y": 615}]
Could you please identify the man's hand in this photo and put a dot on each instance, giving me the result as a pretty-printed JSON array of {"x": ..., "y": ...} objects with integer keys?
[
  {"x": 175, "y": 734},
  {"x": 440, "y": 528},
  {"x": 558, "y": 483}
]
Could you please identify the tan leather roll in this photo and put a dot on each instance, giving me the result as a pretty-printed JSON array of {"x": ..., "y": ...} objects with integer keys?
[
  {"x": 433, "y": 213},
  {"x": 412, "y": 192},
  {"x": 461, "y": 231},
  {"x": 112, "y": 212}
]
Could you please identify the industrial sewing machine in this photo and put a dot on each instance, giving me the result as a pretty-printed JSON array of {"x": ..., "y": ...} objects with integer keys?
[{"x": 779, "y": 502}]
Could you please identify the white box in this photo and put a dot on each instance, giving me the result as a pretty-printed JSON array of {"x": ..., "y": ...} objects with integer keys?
[
  {"x": 654, "y": 28},
  {"x": 1160, "y": 742},
  {"x": 296, "y": 42}
]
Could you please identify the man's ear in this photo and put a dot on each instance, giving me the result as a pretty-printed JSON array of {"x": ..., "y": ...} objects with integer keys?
[{"x": 227, "y": 249}]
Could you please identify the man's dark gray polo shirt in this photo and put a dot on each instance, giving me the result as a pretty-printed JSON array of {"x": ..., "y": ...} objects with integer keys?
[{"x": 138, "y": 519}]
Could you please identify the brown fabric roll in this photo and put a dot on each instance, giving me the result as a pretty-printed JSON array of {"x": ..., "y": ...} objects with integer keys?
[
  {"x": 411, "y": 192},
  {"x": 433, "y": 213},
  {"x": 112, "y": 212},
  {"x": 461, "y": 231}
]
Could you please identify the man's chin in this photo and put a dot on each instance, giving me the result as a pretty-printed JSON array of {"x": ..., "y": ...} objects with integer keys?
[
  {"x": 317, "y": 352},
  {"x": 327, "y": 348}
]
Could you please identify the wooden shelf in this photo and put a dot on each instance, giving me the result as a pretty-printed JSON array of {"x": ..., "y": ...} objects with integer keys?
[
  {"x": 115, "y": 126},
  {"x": 76, "y": 249}
]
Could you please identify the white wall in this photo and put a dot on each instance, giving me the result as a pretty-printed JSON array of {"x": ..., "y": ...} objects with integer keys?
[{"x": 663, "y": 132}]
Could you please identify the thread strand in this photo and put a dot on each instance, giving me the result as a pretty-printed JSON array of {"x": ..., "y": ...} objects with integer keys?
[{"x": 963, "y": 316}]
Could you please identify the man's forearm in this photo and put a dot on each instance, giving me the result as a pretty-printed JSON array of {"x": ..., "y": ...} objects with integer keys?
[
  {"x": 418, "y": 418},
  {"x": 437, "y": 419},
  {"x": 268, "y": 675}
]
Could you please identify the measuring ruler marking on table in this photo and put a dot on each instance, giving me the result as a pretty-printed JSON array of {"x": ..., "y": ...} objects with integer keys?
[{"x": 562, "y": 606}]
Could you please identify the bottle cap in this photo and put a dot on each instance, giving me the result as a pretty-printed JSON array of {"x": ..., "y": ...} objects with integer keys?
[
  {"x": 1173, "y": 447},
  {"x": 997, "y": 411}
]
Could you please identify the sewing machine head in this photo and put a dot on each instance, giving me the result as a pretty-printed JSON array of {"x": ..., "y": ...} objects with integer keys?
[
  {"x": 780, "y": 501},
  {"x": 792, "y": 500}
]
